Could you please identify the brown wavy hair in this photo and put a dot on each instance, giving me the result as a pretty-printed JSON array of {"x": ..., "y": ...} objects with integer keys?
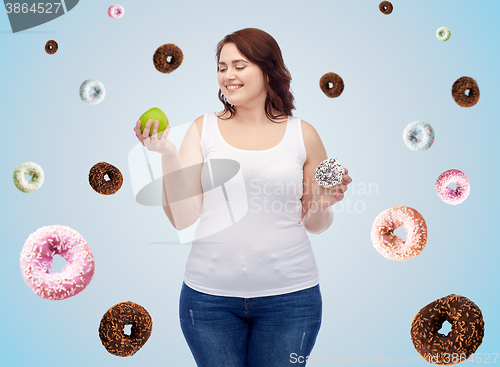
[{"x": 262, "y": 49}]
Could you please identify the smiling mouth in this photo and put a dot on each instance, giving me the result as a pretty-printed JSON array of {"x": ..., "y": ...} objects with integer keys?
[{"x": 233, "y": 87}]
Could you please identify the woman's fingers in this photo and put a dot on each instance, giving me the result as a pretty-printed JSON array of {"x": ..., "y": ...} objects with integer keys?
[
  {"x": 165, "y": 133},
  {"x": 155, "y": 129},
  {"x": 137, "y": 130},
  {"x": 145, "y": 134},
  {"x": 346, "y": 179}
]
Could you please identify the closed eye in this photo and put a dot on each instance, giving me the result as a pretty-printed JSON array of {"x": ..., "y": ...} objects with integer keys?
[{"x": 237, "y": 68}]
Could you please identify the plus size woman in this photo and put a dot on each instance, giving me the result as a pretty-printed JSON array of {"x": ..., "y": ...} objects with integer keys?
[{"x": 250, "y": 295}]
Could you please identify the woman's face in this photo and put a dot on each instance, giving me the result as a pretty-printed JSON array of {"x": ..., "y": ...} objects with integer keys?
[{"x": 241, "y": 81}]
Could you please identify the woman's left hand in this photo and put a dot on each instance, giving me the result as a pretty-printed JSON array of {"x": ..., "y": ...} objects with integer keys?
[{"x": 327, "y": 197}]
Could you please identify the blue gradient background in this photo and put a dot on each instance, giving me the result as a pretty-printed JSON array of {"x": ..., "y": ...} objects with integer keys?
[{"x": 395, "y": 71}]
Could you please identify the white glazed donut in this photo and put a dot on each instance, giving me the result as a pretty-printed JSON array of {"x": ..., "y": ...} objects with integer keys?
[
  {"x": 116, "y": 11},
  {"x": 443, "y": 34},
  {"x": 329, "y": 173},
  {"x": 410, "y": 135},
  {"x": 32, "y": 169},
  {"x": 92, "y": 91}
]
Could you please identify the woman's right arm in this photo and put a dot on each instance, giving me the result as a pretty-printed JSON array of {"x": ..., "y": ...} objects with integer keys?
[{"x": 182, "y": 190}]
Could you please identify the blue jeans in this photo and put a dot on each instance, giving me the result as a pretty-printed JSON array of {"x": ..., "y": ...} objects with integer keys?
[{"x": 273, "y": 331}]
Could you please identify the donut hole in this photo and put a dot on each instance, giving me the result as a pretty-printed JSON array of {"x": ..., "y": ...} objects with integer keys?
[
  {"x": 330, "y": 85},
  {"x": 401, "y": 233},
  {"x": 445, "y": 328},
  {"x": 106, "y": 177},
  {"x": 419, "y": 135},
  {"x": 169, "y": 59},
  {"x": 58, "y": 263},
  {"x": 27, "y": 177},
  {"x": 385, "y": 7},
  {"x": 96, "y": 92},
  {"x": 452, "y": 186},
  {"x": 467, "y": 92},
  {"x": 127, "y": 329}
]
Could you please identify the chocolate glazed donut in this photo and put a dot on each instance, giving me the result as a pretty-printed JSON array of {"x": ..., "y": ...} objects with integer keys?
[
  {"x": 385, "y": 7},
  {"x": 160, "y": 58},
  {"x": 466, "y": 335},
  {"x": 114, "y": 339},
  {"x": 460, "y": 87},
  {"x": 331, "y": 84},
  {"x": 98, "y": 181},
  {"x": 51, "y": 47}
]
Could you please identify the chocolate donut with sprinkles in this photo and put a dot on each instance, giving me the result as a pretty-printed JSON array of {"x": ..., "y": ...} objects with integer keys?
[
  {"x": 51, "y": 47},
  {"x": 465, "y": 92},
  {"x": 111, "y": 328},
  {"x": 97, "y": 178},
  {"x": 466, "y": 335},
  {"x": 161, "y": 58},
  {"x": 332, "y": 85},
  {"x": 386, "y": 7}
]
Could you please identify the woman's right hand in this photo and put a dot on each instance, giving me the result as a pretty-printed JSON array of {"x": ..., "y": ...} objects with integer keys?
[{"x": 154, "y": 144}]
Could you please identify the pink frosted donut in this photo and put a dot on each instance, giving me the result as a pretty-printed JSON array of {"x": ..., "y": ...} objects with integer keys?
[
  {"x": 392, "y": 246},
  {"x": 116, "y": 11},
  {"x": 37, "y": 257},
  {"x": 447, "y": 194}
]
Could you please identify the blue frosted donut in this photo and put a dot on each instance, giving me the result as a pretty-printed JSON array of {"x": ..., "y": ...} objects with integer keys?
[
  {"x": 92, "y": 91},
  {"x": 410, "y": 135}
]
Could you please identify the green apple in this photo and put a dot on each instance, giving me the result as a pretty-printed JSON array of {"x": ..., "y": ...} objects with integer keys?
[{"x": 154, "y": 114}]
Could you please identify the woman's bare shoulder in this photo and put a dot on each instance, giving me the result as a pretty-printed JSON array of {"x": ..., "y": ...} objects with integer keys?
[{"x": 312, "y": 141}]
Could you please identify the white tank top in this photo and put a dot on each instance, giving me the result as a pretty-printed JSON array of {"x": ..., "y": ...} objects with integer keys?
[{"x": 267, "y": 252}]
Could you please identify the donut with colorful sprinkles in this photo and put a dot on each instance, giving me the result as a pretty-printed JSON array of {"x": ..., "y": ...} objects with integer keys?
[
  {"x": 392, "y": 246},
  {"x": 37, "y": 257},
  {"x": 411, "y": 139},
  {"x": 31, "y": 169},
  {"x": 111, "y": 328},
  {"x": 466, "y": 335},
  {"x": 449, "y": 195}
]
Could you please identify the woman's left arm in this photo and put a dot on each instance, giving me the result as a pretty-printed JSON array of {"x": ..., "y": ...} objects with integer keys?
[{"x": 317, "y": 215}]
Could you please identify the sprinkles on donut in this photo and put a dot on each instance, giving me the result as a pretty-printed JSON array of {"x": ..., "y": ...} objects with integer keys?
[
  {"x": 111, "y": 328},
  {"x": 116, "y": 11},
  {"x": 443, "y": 34},
  {"x": 386, "y": 7},
  {"x": 167, "y": 58},
  {"x": 98, "y": 181},
  {"x": 92, "y": 91},
  {"x": 332, "y": 85},
  {"x": 37, "y": 257},
  {"x": 32, "y": 169},
  {"x": 410, "y": 135},
  {"x": 465, "y": 92},
  {"x": 449, "y": 195},
  {"x": 392, "y": 246},
  {"x": 466, "y": 335},
  {"x": 329, "y": 173},
  {"x": 51, "y": 47}
]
